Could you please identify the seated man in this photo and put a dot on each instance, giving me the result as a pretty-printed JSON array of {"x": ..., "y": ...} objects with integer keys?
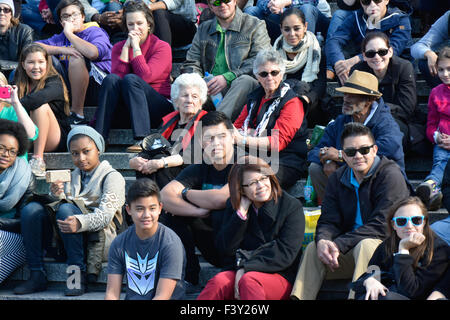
[
  {"x": 146, "y": 243},
  {"x": 194, "y": 197},
  {"x": 352, "y": 223},
  {"x": 226, "y": 47},
  {"x": 363, "y": 104},
  {"x": 343, "y": 48},
  {"x": 425, "y": 49}
]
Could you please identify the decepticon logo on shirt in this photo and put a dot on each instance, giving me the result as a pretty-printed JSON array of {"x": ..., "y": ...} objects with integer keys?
[{"x": 141, "y": 273}]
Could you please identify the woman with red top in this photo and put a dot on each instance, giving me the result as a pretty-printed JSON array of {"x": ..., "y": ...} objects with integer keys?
[
  {"x": 274, "y": 120},
  {"x": 138, "y": 88}
]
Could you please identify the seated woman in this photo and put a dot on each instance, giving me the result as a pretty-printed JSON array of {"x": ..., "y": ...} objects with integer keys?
[
  {"x": 84, "y": 210},
  {"x": 84, "y": 50},
  {"x": 188, "y": 94},
  {"x": 12, "y": 109},
  {"x": 138, "y": 87},
  {"x": 305, "y": 67},
  {"x": 260, "y": 239},
  {"x": 16, "y": 184},
  {"x": 43, "y": 94},
  {"x": 411, "y": 260},
  {"x": 396, "y": 79},
  {"x": 14, "y": 36},
  {"x": 274, "y": 108}
]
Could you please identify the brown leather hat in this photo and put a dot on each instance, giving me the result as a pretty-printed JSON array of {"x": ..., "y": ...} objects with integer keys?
[{"x": 361, "y": 82}]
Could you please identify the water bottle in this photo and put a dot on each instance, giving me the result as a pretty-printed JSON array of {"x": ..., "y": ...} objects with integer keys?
[
  {"x": 320, "y": 39},
  {"x": 310, "y": 194},
  {"x": 217, "y": 98}
]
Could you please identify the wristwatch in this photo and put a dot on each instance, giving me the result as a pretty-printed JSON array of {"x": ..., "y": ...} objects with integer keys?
[
  {"x": 340, "y": 156},
  {"x": 184, "y": 194},
  {"x": 166, "y": 164}
]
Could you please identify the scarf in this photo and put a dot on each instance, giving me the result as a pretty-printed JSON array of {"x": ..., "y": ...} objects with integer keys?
[
  {"x": 308, "y": 53},
  {"x": 14, "y": 181}
]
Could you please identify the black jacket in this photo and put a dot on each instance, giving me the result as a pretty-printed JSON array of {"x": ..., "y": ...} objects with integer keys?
[
  {"x": 269, "y": 241},
  {"x": 398, "y": 87},
  {"x": 398, "y": 273},
  {"x": 381, "y": 188},
  {"x": 12, "y": 44}
]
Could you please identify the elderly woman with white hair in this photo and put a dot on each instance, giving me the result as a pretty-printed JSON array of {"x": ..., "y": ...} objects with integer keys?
[
  {"x": 274, "y": 120},
  {"x": 188, "y": 94}
]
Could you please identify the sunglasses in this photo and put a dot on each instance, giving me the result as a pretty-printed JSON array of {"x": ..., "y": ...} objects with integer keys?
[
  {"x": 273, "y": 73},
  {"x": 367, "y": 2},
  {"x": 217, "y": 3},
  {"x": 5, "y": 10},
  {"x": 371, "y": 53},
  {"x": 351, "y": 152},
  {"x": 401, "y": 222}
]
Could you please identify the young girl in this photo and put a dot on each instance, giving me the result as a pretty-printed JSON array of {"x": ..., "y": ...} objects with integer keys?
[
  {"x": 410, "y": 262},
  {"x": 43, "y": 94},
  {"x": 438, "y": 131}
]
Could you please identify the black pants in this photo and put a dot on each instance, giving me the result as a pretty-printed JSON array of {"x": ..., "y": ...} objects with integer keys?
[
  {"x": 173, "y": 28},
  {"x": 126, "y": 100}
]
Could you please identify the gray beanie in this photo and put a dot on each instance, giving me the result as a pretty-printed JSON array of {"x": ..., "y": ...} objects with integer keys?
[
  {"x": 10, "y": 3},
  {"x": 87, "y": 131}
]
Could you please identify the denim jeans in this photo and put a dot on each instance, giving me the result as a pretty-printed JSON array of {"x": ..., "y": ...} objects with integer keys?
[
  {"x": 37, "y": 234},
  {"x": 30, "y": 15},
  {"x": 442, "y": 229},
  {"x": 440, "y": 158},
  {"x": 317, "y": 21},
  {"x": 336, "y": 20},
  {"x": 432, "y": 81}
]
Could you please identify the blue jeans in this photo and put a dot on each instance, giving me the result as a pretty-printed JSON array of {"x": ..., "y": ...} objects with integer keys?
[
  {"x": 432, "y": 81},
  {"x": 31, "y": 16},
  {"x": 336, "y": 20},
  {"x": 442, "y": 229},
  {"x": 317, "y": 21},
  {"x": 440, "y": 158},
  {"x": 37, "y": 234}
]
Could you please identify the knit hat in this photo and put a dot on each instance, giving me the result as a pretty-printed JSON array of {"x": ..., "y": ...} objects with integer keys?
[
  {"x": 361, "y": 82},
  {"x": 10, "y": 3},
  {"x": 87, "y": 131}
]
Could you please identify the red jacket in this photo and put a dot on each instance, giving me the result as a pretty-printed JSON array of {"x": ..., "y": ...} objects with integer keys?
[
  {"x": 438, "y": 111},
  {"x": 153, "y": 66}
]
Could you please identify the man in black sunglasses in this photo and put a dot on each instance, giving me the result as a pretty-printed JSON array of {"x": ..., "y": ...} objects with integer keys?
[
  {"x": 363, "y": 104},
  {"x": 226, "y": 47},
  {"x": 352, "y": 222}
]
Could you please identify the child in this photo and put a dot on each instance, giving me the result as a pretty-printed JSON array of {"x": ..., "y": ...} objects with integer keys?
[
  {"x": 151, "y": 254},
  {"x": 438, "y": 131},
  {"x": 43, "y": 94}
]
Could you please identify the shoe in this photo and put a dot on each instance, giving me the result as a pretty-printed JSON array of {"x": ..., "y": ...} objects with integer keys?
[
  {"x": 435, "y": 201},
  {"x": 36, "y": 283},
  {"x": 72, "y": 292},
  {"x": 91, "y": 278},
  {"x": 38, "y": 166},
  {"x": 330, "y": 75},
  {"x": 135, "y": 148},
  {"x": 430, "y": 194},
  {"x": 76, "y": 120}
]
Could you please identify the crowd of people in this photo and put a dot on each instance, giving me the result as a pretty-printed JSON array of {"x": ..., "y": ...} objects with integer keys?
[{"x": 218, "y": 148}]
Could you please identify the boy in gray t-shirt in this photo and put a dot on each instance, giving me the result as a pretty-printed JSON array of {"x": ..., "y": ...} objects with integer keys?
[{"x": 149, "y": 253}]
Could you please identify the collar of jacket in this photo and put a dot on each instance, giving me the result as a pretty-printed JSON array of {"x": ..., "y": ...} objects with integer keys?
[
  {"x": 345, "y": 178},
  {"x": 234, "y": 26},
  {"x": 270, "y": 208}
]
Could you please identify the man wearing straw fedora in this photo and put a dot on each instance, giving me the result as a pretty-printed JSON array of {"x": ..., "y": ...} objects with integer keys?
[{"x": 362, "y": 103}]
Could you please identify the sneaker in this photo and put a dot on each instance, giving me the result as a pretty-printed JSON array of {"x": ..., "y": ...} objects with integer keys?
[
  {"x": 76, "y": 120},
  {"x": 135, "y": 148},
  {"x": 37, "y": 166},
  {"x": 430, "y": 194}
]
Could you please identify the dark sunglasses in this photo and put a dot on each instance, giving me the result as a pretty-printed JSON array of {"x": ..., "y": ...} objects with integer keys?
[
  {"x": 273, "y": 73},
  {"x": 217, "y": 3},
  {"x": 5, "y": 10},
  {"x": 371, "y": 53},
  {"x": 401, "y": 222},
  {"x": 351, "y": 152},
  {"x": 367, "y": 2}
]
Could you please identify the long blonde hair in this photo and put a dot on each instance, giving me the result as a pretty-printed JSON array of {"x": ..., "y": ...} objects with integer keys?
[{"x": 23, "y": 81}]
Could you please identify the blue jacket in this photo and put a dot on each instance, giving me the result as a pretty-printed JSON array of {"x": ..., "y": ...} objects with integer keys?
[
  {"x": 386, "y": 131},
  {"x": 353, "y": 29}
]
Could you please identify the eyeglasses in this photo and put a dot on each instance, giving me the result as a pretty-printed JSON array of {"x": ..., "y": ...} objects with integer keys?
[
  {"x": 255, "y": 182},
  {"x": 67, "y": 17},
  {"x": 273, "y": 73},
  {"x": 351, "y": 152},
  {"x": 401, "y": 222},
  {"x": 371, "y": 53},
  {"x": 217, "y": 3},
  {"x": 367, "y": 2},
  {"x": 10, "y": 152},
  {"x": 5, "y": 10}
]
